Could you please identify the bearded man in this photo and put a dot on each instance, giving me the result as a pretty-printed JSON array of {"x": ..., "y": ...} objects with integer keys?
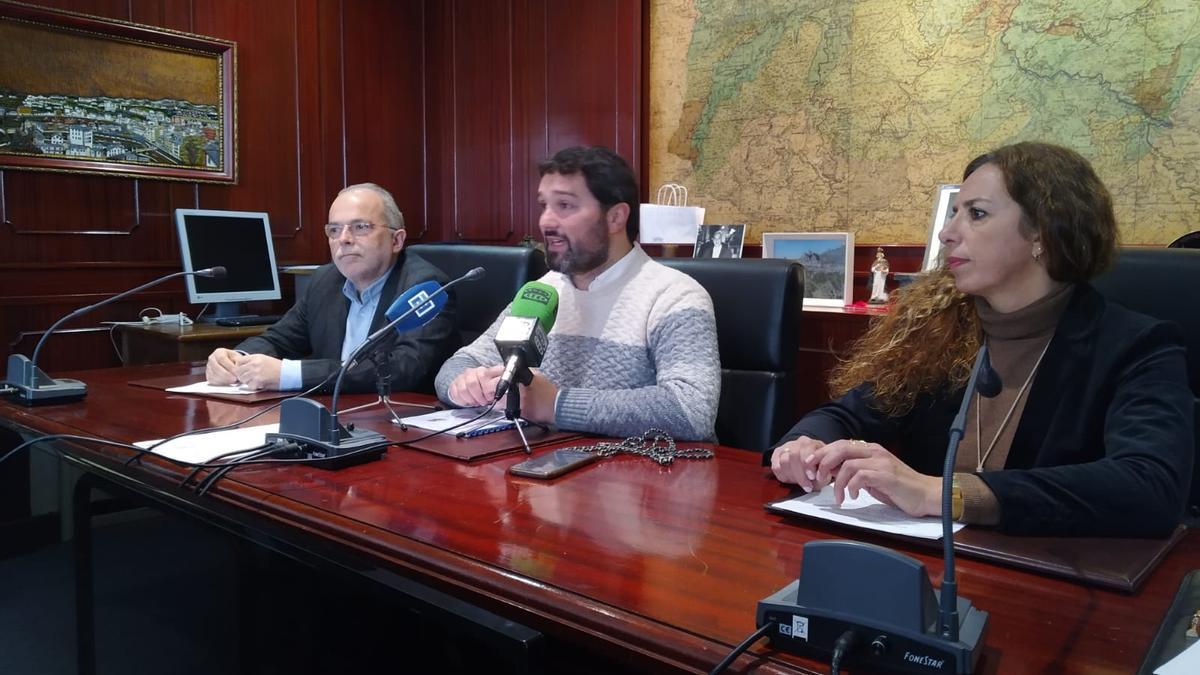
[{"x": 634, "y": 345}]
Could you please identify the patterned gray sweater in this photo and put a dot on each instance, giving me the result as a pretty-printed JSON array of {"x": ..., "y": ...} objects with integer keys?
[{"x": 638, "y": 349}]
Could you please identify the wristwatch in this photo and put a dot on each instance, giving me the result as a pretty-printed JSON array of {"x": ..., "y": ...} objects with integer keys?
[{"x": 956, "y": 501}]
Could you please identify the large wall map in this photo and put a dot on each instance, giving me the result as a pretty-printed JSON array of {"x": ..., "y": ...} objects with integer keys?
[{"x": 802, "y": 115}]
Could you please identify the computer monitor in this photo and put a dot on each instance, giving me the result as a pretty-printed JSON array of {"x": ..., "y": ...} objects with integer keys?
[{"x": 240, "y": 241}]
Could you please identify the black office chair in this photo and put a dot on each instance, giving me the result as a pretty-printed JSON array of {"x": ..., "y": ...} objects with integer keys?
[
  {"x": 758, "y": 305},
  {"x": 480, "y": 302},
  {"x": 1189, "y": 240},
  {"x": 1162, "y": 283}
]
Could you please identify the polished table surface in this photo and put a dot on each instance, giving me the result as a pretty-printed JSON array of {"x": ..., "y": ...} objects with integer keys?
[{"x": 658, "y": 566}]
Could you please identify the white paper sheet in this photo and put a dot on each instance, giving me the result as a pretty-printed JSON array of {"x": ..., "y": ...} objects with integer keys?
[
  {"x": 441, "y": 420},
  {"x": 206, "y": 388},
  {"x": 1187, "y": 663},
  {"x": 200, "y": 448},
  {"x": 865, "y": 512}
]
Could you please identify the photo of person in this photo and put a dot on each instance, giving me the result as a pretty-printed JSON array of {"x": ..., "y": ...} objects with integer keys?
[{"x": 719, "y": 241}]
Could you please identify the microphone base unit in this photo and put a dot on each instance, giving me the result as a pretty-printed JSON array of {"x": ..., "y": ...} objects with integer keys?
[
  {"x": 309, "y": 424},
  {"x": 33, "y": 387},
  {"x": 883, "y": 596}
]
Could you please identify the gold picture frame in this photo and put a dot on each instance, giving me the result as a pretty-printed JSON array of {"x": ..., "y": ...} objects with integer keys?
[{"x": 84, "y": 94}]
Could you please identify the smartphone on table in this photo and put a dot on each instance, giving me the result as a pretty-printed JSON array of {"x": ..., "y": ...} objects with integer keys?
[{"x": 554, "y": 463}]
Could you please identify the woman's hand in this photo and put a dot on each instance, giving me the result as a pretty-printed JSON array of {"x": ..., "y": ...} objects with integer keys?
[
  {"x": 857, "y": 465},
  {"x": 791, "y": 462}
]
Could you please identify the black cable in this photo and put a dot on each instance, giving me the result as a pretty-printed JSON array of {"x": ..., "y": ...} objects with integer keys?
[
  {"x": 214, "y": 466},
  {"x": 737, "y": 651},
  {"x": 845, "y": 643},
  {"x": 205, "y": 485},
  {"x": 200, "y": 467},
  {"x": 317, "y": 461},
  {"x": 223, "y": 468},
  {"x": 119, "y": 444},
  {"x": 70, "y": 437},
  {"x": 141, "y": 452}
]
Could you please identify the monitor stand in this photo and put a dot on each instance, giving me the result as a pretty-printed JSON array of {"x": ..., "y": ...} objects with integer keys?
[{"x": 224, "y": 310}]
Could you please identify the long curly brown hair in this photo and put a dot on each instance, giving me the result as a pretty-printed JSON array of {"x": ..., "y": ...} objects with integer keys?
[{"x": 928, "y": 339}]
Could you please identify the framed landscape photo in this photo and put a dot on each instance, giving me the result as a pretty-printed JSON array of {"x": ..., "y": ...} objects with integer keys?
[
  {"x": 828, "y": 259},
  {"x": 82, "y": 94},
  {"x": 943, "y": 211},
  {"x": 719, "y": 241}
]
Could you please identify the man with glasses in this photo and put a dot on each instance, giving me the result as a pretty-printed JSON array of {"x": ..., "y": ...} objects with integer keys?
[{"x": 344, "y": 303}]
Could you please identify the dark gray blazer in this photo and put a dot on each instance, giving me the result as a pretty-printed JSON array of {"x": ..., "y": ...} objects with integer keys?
[{"x": 314, "y": 329}]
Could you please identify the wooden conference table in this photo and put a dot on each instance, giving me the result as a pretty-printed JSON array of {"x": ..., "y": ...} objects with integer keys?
[{"x": 658, "y": 567}]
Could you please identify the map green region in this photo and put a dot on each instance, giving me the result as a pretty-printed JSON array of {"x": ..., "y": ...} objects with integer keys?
[{"x": 809, "y": 115}]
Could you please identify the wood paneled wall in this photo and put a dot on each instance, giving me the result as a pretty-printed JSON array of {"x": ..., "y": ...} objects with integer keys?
[
  {"x": 517, "y": 81},
  {"x": 447, "y": 103}
]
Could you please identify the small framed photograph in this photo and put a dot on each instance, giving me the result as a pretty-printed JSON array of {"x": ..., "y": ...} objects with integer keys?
[
  {"x": 828, "y": 259},
  {"x": 943, "y": 211},
  {"x": 719, "y": 241}
]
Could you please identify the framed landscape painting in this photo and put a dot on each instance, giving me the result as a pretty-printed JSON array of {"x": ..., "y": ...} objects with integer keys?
[
  {"x": 828, "y": 259},
  {"x": 82, "y": 94}
]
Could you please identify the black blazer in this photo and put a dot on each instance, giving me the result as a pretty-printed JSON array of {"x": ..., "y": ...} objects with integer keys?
[
  {"x": 314, "y": 329},
  {"x": 1105, "y": 442}
]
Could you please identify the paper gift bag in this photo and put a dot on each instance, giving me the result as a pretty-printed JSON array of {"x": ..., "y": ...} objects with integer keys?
[{"x": 670, "y": 220}]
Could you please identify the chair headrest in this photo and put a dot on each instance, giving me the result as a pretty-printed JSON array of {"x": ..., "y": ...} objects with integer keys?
[
  {"x": 1163, "y": 283},
  {"x": 480, "y": 302},
  {"x": 758, "y": 305}
]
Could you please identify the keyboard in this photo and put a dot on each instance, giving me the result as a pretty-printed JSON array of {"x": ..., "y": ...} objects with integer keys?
[{"x": 257, "y": 320}]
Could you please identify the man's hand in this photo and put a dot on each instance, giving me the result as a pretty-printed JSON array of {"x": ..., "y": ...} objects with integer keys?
[
  {"x": 475, "y": 386},
  {"x": 258, "y": 371},
  {"x": 538, "y": 399},
  {"x": 222, "y": 366}
]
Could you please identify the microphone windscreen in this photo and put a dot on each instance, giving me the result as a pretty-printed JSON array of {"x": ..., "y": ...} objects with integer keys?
[
  {"x": 423, "y": 299},
  {"x": 474, "y": 274},
  {"x": 537, "y": 300},
  {"x": 219, "y": 272},
  {"x": 988, "y": 383}
]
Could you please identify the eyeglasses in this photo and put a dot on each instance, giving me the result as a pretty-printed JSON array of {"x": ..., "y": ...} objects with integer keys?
[{"x": 358, "y": 228}]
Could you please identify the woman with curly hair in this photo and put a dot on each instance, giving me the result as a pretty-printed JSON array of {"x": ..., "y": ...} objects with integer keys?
[{"x": 1091, "y": 433}]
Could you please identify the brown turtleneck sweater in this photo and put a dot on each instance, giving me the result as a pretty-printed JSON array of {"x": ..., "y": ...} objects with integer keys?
[{"x": 1015, "y": 342}]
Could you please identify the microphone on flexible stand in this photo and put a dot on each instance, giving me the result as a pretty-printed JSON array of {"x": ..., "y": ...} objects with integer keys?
[
  {"x": 315, "y": 429},
  {"x": 414, "y": 308},
  {"x": 34, "y": 387},
  {"x": 853, "y": 593},
  {"x": 521, "y": 340}
]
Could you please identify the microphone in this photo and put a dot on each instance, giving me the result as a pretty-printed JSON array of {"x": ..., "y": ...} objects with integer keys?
[
  {"x": 887, "y": 602},
  {"x": 414, "y": 308},
  {"x": 34, "y": 387},
  {"x": 218, "y": 272},
  {"x": 988, "y": 385},
  {"x": 315, "y": 429},
  {"x": 424, "y": 302},
  {"x": 521, "y": 338}
]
